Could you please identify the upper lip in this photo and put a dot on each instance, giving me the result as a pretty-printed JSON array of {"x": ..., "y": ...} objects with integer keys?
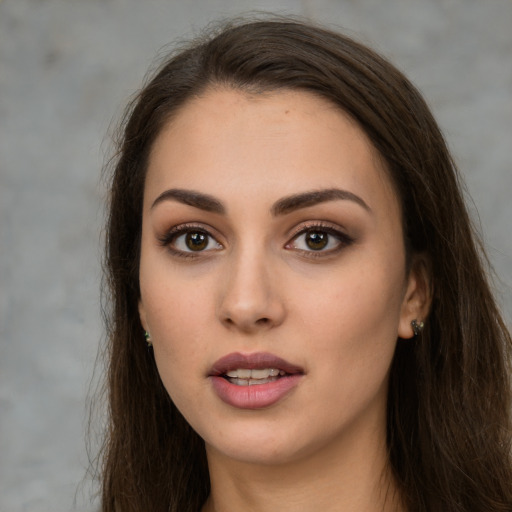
[{"x": 257, "y": 360}]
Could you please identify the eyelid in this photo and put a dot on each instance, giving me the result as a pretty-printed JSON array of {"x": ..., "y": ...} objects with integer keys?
[
  {"x": 170, "y": 235},
  {"x": 327, "y": 227},
  {"x": 321, "y": 225}
]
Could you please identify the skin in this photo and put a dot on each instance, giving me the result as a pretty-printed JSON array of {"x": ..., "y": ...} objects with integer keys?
[{"x": 257, "y": 286}]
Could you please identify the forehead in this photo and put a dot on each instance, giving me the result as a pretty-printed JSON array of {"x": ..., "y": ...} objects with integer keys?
[{"x": 265, "y": 146}]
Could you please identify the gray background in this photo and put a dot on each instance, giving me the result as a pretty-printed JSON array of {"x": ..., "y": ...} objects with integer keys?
[{"x": 67, "y": 68}]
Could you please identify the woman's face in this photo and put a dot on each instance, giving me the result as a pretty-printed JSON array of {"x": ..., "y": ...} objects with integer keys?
[{"x": 272, "y": 274}]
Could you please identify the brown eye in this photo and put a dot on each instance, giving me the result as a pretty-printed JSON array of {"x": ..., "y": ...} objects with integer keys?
[
  {"x": 188, "y": 240},
  {"x": 196, "y": 241},
  {"x": 316, "y": 240},
  {"x": 319, "y": 239}
]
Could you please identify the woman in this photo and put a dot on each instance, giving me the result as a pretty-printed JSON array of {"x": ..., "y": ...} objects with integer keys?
[{"x": 287, "y": 232}]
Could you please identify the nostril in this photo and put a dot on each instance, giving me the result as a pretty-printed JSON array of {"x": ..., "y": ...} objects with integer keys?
[{"x": 247, "y": 324}]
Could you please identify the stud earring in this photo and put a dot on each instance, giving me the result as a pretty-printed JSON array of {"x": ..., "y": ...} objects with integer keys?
[
  {"x": 417, "y": 327},
  {"x": 147, "y": 336}
]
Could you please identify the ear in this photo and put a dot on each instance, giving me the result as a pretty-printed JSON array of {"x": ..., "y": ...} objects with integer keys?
[
  {"x": 418, "y": 295},
  {"x": 142, "y": 315}
]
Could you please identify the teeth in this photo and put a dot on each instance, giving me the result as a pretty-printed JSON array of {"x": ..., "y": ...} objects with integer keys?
[
  {"x": 261, "y": 374},
  {"x": 251, "y": 382},
  {"x": 264, "y": 373},
  {"x": 244, "y": 374},
  {"x": 247, "y": 377}
]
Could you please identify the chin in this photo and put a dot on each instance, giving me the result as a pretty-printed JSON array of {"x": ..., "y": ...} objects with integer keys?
[
  {"x": 268, "y": 444},
  {"x": 258, "y": 451}
]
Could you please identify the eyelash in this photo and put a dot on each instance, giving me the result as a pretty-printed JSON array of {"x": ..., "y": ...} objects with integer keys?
[
  {"x": 169, "y": 238},
  {"x": 343, "y": 240}
]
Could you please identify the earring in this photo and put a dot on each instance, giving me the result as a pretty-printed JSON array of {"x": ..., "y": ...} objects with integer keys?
[
  {"x": 417, "y": 327},
  {"x": 147, "y": 336}
]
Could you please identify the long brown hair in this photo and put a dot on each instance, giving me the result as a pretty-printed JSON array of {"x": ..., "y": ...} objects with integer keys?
[{"x": 449, "y": 403}]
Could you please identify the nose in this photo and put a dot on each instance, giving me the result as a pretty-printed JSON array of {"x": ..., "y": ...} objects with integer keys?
[{"x": 251, "y": 299}]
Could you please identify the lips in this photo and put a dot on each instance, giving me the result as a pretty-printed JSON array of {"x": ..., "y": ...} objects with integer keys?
[
  {"x": 259, "y": 360},
  {"x": 253, "y": 381}
]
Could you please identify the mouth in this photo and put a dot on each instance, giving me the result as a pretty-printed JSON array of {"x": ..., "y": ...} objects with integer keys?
[
  {"x": 247, "y": 377},
  {"x": 253, "y": 381},
  {"x": 253, "y": 369}
]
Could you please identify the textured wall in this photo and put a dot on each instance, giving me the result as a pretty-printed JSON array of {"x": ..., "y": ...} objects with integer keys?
[{"x": 66, "y": 69}]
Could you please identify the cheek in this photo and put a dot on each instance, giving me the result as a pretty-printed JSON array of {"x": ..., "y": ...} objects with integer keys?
[
  {"x": 353, "y": 333},
  {"x": 177, "y": 316},
  {"x": 354, "y": 320},
  {"x": 179, "y": 355},
  {"x": 173, "y": 301}
]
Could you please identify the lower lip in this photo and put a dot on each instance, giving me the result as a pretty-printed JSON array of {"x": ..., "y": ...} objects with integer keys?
[{"x": 256, "y": 396}]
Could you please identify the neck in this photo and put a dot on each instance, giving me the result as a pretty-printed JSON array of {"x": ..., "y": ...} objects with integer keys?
[{"x": 352, "y": 475}]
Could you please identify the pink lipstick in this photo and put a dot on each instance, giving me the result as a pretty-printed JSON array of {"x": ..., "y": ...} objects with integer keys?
[{"x": 253, "y": 381}]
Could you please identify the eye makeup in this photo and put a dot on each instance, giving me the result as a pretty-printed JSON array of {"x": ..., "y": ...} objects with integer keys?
[
  {"x": 319, "y": 239},
  {"x": 189, "y": 240},
  {"x": 313, "y": 239}
]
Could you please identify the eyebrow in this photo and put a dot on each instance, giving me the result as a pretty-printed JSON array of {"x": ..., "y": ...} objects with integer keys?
[
  {"x": 305, "y": 199},
  {"x": 281, "y": 207},
  {"x": 192, "y": 198}
]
